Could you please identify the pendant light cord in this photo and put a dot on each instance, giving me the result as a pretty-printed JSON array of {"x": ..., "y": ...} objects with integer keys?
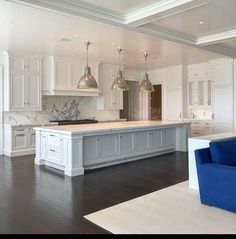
[{"x": 146, "y": 55}]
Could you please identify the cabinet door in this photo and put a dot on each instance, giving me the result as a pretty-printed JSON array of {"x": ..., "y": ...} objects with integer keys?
[
  {"x": 126, "y": 143},
  {"x": 18, "y": 63},
  {"x": 141, "y": 141},
  {"x": 19, "y": 139},
  {"x": 223, "y": 104},
  {"x": 18, "y": 87},
  {"x": 34, "y": 95},
  {"x": 169, "y": 138},
  {"x": 223, "y": 73},
  {"x": 109, "y": 146},
  {"x": 174, "y": 104},
  {"x": 32, "y": 138},
  {"x": 91, "y": 150},
  {"x": 174, "y": 78},
  {"x": 155, "y": 139}
]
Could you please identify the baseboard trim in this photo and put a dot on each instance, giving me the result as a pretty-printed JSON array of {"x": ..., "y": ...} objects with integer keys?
[{"x": 19, "y": 153}]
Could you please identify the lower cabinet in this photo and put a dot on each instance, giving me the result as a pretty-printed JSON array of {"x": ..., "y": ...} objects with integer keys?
[
  {"x": 111, "y": 147},
  {"x": 19, "y": 140}
]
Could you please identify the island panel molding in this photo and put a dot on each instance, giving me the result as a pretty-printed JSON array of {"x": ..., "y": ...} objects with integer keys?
[{"x": 74, "y": 149}]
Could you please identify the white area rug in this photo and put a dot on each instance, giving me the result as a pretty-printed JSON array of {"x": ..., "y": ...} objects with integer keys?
[{"x": 173, "y": 210}]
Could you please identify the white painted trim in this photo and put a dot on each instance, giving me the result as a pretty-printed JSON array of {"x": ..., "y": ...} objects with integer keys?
[
  {"x": 159, "y": 10},
  {"x": 72, "y": 92},
  {"x": 19, "y": 152},
  {"x": 216, "y": 38},
  {"x": 1, "y": 109},
  {"x": 234, "y": 96}
]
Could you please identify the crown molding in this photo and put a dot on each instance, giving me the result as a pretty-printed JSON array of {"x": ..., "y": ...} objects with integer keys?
[
  {"x": 160, "y": 10},
  {"x": 76, "y": 8},
  {"x": 216, "y": 38},
  {"x": 166, "y": 34}
]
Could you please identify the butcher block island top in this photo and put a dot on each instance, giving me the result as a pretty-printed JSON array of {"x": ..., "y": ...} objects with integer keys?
[
  {"x": 76, "y": 148},
  {"x": 111, "y": 126}
]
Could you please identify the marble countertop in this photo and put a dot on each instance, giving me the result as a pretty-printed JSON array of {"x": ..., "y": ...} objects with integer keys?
[
  {"x": 215, "y": 137},
  {"x": 113, "y": 126},
  {"x": 197, "y": 119},
  {"x": 31, "y": 125}
]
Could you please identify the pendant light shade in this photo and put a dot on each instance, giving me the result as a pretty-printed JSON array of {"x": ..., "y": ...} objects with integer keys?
[
  {"x": 146, "y": 85},
  {"x": 120, "y": 83},
  {"x": 87, "y": 81}
]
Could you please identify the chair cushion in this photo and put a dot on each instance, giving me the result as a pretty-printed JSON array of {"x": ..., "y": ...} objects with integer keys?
[{"x": 224, "y": 152}]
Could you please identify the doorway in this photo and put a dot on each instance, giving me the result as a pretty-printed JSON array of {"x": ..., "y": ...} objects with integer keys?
[
  {"x": 156, "y": 103},
  {"x": 131, "y": 102}
]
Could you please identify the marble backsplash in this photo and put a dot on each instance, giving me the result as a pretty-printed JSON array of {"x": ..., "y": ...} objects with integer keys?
[{"x": 62, "y": 108}]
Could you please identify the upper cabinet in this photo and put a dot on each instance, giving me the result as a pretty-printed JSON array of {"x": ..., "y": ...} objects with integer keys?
[
  {"x": 174, "y": 93},
  {"x": 110, "y": 100},
  {"x": 199, "y": 86},
  {"x": 22, "y": 83},
  {"x": 62, "y": 74}
]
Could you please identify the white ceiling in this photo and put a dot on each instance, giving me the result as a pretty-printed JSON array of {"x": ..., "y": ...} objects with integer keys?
[
  {"x": 30, "y": 29},
  {"x": 214, "y": 18},
  {"x": 122, "y": 7}
]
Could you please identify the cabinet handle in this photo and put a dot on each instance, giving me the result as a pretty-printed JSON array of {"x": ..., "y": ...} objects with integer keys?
[
  {"x": 53, "y": 150},
  {"x": 20, "y": 130},
  {"x": 21, "y": 135},
  {"x": 52, "y": 135},
  {"x": 213, "y": 116}
]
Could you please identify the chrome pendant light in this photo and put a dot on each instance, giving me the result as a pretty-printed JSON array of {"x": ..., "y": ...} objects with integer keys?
[
  {"x": 120, "y": 83},
  {"x": 87, "y": 81},
  {"x": 146, "y": 85}
]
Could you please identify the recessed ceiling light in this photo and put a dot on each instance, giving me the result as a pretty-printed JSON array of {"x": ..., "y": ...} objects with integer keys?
[
  {"x": 201, "y": 22},
  {"x": 77, "y": 35},
  {"x": 113, "y": 43},
  {"x": 66, "y": 39}
]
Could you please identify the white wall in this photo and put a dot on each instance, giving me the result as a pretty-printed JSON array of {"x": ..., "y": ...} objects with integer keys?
[{"x": 1, "y": 109}]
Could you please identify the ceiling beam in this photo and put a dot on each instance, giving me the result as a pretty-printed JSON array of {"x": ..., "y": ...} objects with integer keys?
[
  {"x": 216, "y": 38},
  {"x": 161, "y": 9}
]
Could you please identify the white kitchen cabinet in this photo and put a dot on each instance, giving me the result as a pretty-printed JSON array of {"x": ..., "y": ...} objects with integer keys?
[
  {"x": 155, "y": 139},
  {"x": 200, "y": 86},
  {"x": 222, "y": 96},
  {"x": 18, "y": 140},
  {"x": 54, "y": 149},
  {"x": 109, "y": 100},
  {"x": 174, "y": 93},
  {"x": 126, "y": 143},
  {"x": 92, "y": 149},
  {"x": 109, "y": 146},
  {"x": 169, "y": 138},
  {"x": 141, "y": 141},
  {"x": 62, "y": 74},
  {"x": 22, "y": 83}
]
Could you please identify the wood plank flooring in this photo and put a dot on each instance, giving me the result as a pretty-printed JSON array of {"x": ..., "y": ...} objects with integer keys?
[{"x": 41, "y": 200}]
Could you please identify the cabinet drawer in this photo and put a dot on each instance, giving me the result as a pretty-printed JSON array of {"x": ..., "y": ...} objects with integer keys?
[
  {"x": 53, "y": 139},
  {"x": 53, "y": 154}
]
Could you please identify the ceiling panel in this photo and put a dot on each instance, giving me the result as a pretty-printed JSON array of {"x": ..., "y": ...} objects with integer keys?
[
  {"x": 28, "y": 29},
  {"x": 122, "y": 6},
  {"x": 203, "y": 20}
]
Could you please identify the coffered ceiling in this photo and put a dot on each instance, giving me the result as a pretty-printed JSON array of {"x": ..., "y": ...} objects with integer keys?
[{"x": 170, "y": 30}]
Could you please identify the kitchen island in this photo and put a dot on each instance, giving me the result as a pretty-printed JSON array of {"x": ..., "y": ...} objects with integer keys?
[{"x": 75, "y": 148}]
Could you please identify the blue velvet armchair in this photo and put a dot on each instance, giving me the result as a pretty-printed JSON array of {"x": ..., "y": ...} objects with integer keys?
[{"x": 216, "y": 169}]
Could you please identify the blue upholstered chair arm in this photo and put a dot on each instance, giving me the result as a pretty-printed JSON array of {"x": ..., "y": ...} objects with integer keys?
[{"x": 203, "y": 156}]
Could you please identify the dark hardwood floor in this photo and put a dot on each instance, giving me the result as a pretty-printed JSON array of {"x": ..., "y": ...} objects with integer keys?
[{"x": 41, "y": 200}]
